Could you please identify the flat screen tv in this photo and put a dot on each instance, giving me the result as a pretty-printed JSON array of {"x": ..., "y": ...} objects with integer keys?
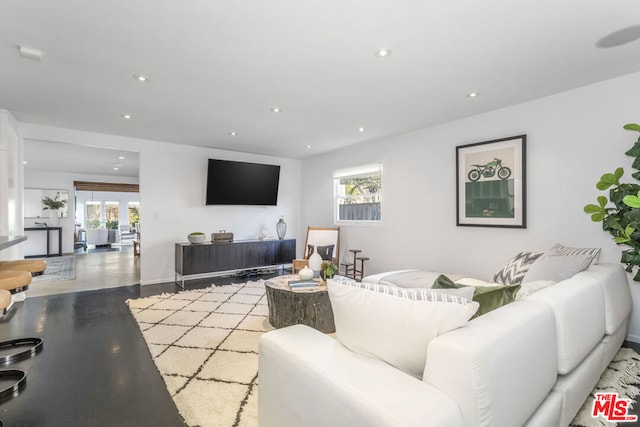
[{"x": 242, "y": 183}]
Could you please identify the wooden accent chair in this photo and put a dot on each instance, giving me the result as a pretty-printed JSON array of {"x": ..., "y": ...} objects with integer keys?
[{"x": 327, "y": 242}]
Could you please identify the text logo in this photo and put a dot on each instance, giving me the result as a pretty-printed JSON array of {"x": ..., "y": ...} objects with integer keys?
[{"x": 612, "y": 408}]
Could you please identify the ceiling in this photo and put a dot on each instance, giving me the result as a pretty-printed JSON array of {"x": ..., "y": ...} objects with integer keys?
[{"x": 217, "y": 67}]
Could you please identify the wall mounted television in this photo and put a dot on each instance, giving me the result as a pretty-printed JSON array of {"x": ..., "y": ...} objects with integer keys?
[{"x": 242, "y": 183}]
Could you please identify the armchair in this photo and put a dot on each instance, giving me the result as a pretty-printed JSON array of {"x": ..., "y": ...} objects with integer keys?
[{"x": 326, "y": 240}]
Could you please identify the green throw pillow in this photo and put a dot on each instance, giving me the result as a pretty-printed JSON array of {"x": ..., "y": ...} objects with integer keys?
[{"x": 489, "y": 297}]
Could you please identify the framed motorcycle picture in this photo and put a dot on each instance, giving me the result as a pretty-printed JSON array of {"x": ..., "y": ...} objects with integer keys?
[{"x": 491, "y": 183}]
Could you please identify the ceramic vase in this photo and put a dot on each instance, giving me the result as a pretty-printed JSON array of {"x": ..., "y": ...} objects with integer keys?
[
  {"x": 305, "y": 274},
  {"x": 315, "y": 262},
  {"x": 281, "y": 228}
]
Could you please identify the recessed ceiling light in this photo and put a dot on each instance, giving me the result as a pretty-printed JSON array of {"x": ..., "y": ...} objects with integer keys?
[
  {"x": 619, "y": 37},
  {"x": 127, "y": 116},
  {"x": 360, "y": 129},
  {"x": 141, "y": 77},
  {"x": 276, "y": 110},
  {"x": 25, "y": 162},
  {"x": 120, "y": 157},
  {"x": 30, "y": 53},
  {"x": 309, "y": 145},
  {"x": 381, "y": 53},
  {"x": 473, "y": 95},
  {"x": 116, "y": 168},
  {"x": 232, "y": 133}
]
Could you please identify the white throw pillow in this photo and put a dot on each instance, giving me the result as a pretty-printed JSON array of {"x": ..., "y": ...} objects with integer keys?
[
  {"x": 557, "y": 267},
  {"x": 528, "y": 288},
  {"x": 394, "y": 324},
  {"x": 469, "y": 281}
]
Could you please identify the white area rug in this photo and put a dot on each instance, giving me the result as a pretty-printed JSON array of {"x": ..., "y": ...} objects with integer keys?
[
  {"x": 205, "y": 345},
  {"x": 58, "y": 268}
]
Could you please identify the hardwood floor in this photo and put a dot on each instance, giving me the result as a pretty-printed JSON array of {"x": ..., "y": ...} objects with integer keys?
[{"x": 95, "y": 368}]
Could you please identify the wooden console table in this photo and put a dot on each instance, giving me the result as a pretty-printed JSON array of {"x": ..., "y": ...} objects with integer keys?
[
  {"x": 48, "y": 231},
  {"x": 226, "y": 256}
]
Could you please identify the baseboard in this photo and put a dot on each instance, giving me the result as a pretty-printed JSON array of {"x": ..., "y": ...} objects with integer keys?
[{"x": 633, "y": 338}]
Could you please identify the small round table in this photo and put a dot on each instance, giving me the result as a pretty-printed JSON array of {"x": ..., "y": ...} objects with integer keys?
[{"x": 306, "y": 306}]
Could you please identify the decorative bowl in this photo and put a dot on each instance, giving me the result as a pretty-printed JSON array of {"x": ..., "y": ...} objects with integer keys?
[{"x": 197, "y": 237}]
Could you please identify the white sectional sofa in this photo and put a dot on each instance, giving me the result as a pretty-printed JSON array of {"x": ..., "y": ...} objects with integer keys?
[{"x": 530, "y": 363}]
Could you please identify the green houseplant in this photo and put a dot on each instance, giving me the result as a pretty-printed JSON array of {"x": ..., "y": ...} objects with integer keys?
[
  {"x": 327, "y": 269},
  {"x": 621, "y": 219},
  {"x": 53, "y": 204}
]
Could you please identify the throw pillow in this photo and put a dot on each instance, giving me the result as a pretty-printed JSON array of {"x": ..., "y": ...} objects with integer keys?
[
  {"x": 516, "y": 268},
  {"x": 393, "y": 324},
  {"x": 488, "y": 297},
  {"x": 528, "y": 288},
  {"x": 326, "y": 252},
  {"x": 558, "y": 267},
  {"x": 559, "y": 249}
]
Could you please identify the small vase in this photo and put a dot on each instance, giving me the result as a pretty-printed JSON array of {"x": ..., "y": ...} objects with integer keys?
[{"x": 281, "y": 228}]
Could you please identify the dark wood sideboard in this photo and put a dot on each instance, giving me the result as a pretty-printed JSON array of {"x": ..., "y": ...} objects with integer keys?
[{"x": 211, "y": 257}]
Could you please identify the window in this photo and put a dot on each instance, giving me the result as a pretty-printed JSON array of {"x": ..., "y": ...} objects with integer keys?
[
  {"x": 112, "y": 215},
  {"x": 134, "y": 212},
  {"x": 92, "y": 214},
  {"x": 358, "y": 194}
]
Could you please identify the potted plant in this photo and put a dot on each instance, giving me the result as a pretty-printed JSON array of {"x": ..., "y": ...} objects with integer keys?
[
  {"x": 622, "y": 218},
  {"x": 327, "y": 269},
  {"x": 53, "y": 204}
]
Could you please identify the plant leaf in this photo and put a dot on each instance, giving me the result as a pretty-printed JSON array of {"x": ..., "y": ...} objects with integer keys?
[
  {"x": 597, "y": 217},
  {"x": 601, "y": 185},
  {"x": 631, "y": 201},
  {"x": 602, "y": 201},
  {"x": 632, "y": 126},
  {"x": 635, "y": 150},
  {"x": 591, "y": 208}
]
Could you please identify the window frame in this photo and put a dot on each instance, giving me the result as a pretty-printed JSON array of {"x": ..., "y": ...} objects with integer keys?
[{"x": 359, "y": 171}]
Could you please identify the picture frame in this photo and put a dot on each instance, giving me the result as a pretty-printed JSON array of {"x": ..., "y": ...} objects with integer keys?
[{"x": 491, "y": 183}]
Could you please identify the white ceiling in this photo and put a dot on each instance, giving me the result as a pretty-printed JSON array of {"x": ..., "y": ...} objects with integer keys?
[{"x": 217, "y": 66}]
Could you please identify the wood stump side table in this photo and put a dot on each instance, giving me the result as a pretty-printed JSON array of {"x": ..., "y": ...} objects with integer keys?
[{"x": 306, "y": 306}]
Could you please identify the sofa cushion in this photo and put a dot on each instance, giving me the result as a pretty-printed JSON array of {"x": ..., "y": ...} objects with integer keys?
[
  {"x": 394, "y": 324},
  {"x": 578, "y": 305},
  {"x": 489, "y": 297},
  {"x": 499, "y": 367},
  {"x": 559, "y": 249},
  {"x": 557, "y": 267},
  {"x": 516, "y": 268}
]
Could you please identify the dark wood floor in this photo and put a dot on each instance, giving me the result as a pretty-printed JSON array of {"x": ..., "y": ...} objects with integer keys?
[{"x": 95, "y": 369}]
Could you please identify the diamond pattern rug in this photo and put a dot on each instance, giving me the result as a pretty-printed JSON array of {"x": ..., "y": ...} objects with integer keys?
[{"x": 205, "y": 345}]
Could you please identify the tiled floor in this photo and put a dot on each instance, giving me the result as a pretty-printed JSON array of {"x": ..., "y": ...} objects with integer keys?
[{"x": 95, "y": 369}]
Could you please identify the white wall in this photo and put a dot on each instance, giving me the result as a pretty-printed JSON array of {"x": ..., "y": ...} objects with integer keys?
[
  {"x": 11, "y": 177},
  {"x": 172, "y": 195},
  {"x": 573, "y": 138}
]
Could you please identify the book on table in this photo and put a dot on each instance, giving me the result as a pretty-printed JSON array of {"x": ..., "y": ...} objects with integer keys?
[{"x": 295, "y": 284}]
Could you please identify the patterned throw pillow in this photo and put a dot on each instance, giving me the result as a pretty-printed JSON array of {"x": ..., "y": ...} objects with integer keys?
[
  {"x": 516, "y": 269},
  {"x": 559, "y": 249}
]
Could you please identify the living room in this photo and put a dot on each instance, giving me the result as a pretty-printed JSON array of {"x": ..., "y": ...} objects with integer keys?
[{"x": 573, "y": 127}]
